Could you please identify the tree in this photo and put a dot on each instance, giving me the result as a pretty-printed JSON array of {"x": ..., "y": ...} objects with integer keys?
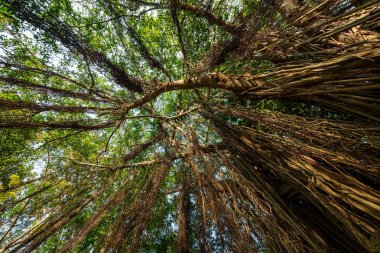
[{"x": 189, "y": 126}]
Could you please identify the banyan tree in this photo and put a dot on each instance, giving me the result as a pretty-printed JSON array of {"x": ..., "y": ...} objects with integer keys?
[{"x": 189, "y": 126}]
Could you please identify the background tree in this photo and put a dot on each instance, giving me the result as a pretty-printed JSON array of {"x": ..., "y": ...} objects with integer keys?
[{"x": 189, "y": 126}]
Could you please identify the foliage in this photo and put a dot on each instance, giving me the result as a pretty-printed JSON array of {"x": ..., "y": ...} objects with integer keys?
[{"x": 189, "y": 126}]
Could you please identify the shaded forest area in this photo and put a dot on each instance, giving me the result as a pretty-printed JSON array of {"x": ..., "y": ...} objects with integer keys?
[{"x": 189, "y": 126}]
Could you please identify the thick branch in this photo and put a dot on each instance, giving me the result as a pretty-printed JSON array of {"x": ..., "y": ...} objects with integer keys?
[
  {"x": 210, "y": 17},
  {"x": 140, "y": 148},
  {"x": 212, "y": 80},
  {"x": 68, "y": 38}
]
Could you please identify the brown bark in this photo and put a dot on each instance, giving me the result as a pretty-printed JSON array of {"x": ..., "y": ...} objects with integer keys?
[
  {"x": 184, "y": 233},
  {"x": 208, "y": 15},
  {"x": 115, "y": 199},
  {"x": 319, "y": 181},
  {"x": 135, "y": 218},
  {"x": 33, "y": 241}
]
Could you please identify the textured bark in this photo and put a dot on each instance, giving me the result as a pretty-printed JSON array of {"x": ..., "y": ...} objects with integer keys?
[
  {"x": 135, "y": 218},
  {"x": 113, "y": 201},
  {"x": 248, "y": 180},
  {"x": 318, "y": 183},
  {"x": 32, "y": 242},
  {"x": 184, "y": 212}
]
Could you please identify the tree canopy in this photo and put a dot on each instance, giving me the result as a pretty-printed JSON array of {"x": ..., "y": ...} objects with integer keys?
[{"x": 189, "y": 126}]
